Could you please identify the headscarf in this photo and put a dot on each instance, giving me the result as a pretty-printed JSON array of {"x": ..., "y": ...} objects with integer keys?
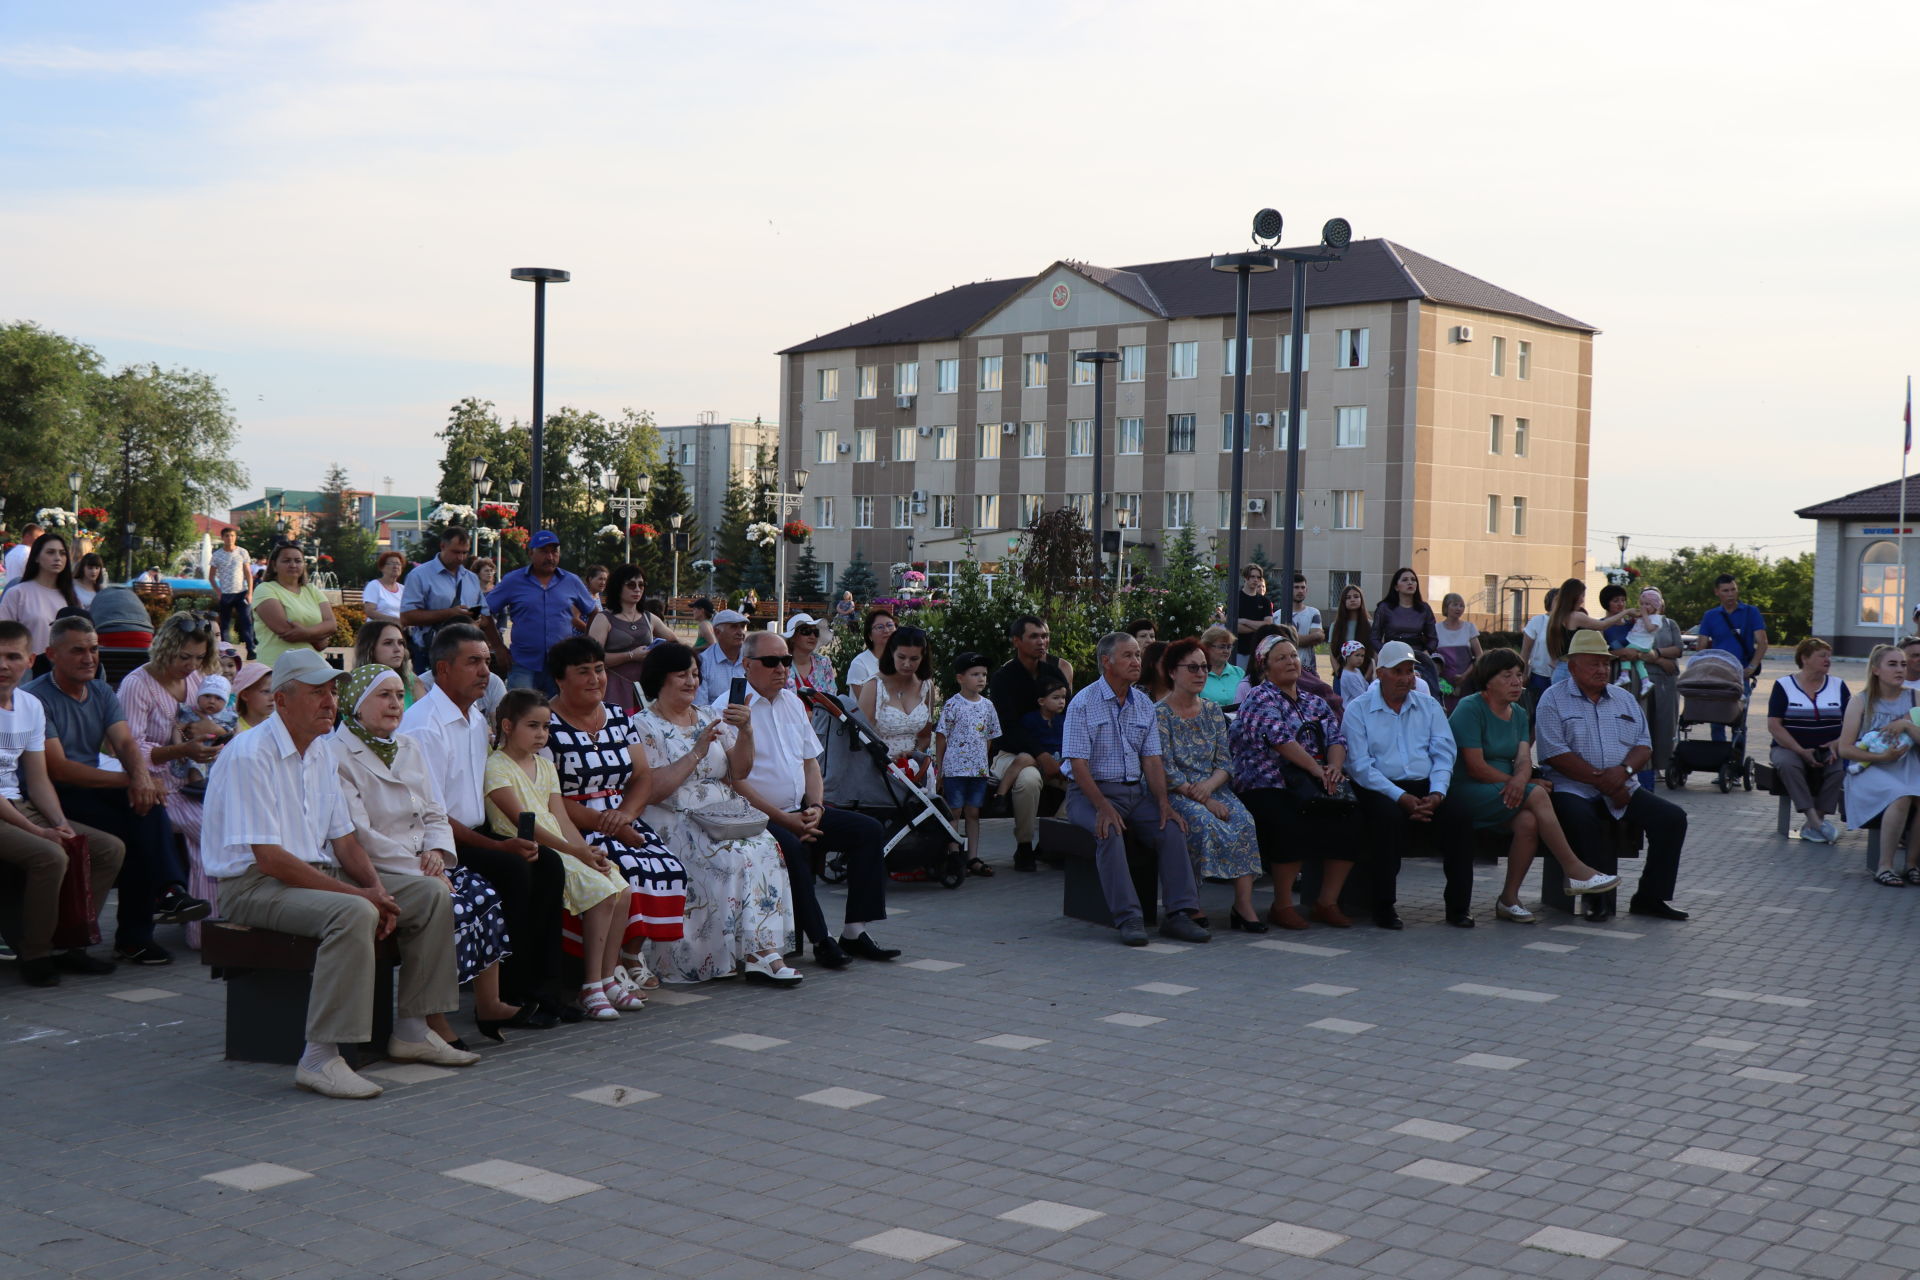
[
  {"x": 1260, "y": 652},
  {"x": 361, "y": 681},
  {"x": 1350, "y": 648}
]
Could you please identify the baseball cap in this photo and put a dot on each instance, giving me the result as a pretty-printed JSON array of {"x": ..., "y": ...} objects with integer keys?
[
  {"x": 1395, "y": 652},
  {"x": 725, "y": 616},
  {"x": 303, "y": 666},
  {"x": 544, "y": 538}
]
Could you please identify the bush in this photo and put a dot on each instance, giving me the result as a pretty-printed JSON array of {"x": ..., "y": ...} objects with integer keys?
[{"x": 348, "y": 619}]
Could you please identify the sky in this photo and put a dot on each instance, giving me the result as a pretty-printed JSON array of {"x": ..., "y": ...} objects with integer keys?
[{"x": 319, "y": 201}]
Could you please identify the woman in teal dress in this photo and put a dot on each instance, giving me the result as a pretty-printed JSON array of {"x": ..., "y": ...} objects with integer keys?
[
  {"x": 1193, "y": 738},
  {"x": 1495, "y": 780}
]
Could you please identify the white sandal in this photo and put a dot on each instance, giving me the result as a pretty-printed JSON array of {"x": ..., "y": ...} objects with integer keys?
[
  {"x": 621, "y": 997},
  {"x": 634, "y": 975},
  {"x": 594, "y": 1003}
]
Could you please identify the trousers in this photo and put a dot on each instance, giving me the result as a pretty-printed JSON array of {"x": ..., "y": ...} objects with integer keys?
[
  {"x": 235, "y": 606},
  {"x": 44, "y": 865},
  {"x": 1796, "y": 775},
  {"x": 1389, "y": 830},
  {"x": 340, "y": 1008},
  {"x": 1140, "y": 813},
  {"x": 149, "y": 865},
  {"x": 1584, "y": 820},
  {"x": 854, "y": 835},
  {"x": 531, "y": 900}
]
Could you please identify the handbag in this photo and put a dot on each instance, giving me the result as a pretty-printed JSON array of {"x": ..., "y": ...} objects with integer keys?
[
  {"x": 75, "y": 925},
  {"x": 733, "y": 820},
  {"x": 1312, "y": 795}
]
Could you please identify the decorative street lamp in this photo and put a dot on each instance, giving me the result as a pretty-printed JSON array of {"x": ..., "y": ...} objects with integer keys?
[
  {"x": 628, "y": 507},
  {"x": 677, "y": 538},
  {"x": 477, "y": 471},
  {"x": 73, "y": 485},
  {"x": 1098, "y": 360},
  {"x": 770, "y": 476},
  {"x": 540, "y": 278}
]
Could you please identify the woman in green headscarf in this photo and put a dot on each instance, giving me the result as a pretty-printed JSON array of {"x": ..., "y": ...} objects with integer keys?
[{"x": 405, "y": 832}]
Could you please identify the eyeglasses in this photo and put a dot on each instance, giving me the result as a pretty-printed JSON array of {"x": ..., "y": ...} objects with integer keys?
[
  {"x": 1190, "y": 666},
  {"x": 774, "y": 660},
  {"x": 1219, "y": 644}
]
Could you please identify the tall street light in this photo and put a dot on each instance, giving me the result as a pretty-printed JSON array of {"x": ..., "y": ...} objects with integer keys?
[
  {"x": 1243, "y": 266},
  {"x": 1099, "y": 360},
  {"x": 1334, "y": 237},
  {"x": 540, "y": 278},
  {"x": 476, "y": 472},
  {"x": 628, "y": 507},
  {"x": 677, "y": 538},
  {"x": 769, "y": 476},
  {"x": 73, "y": 484}
]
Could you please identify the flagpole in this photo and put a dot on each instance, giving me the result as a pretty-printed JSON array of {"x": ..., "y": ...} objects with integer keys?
[{"x": 1900, "y": 530}]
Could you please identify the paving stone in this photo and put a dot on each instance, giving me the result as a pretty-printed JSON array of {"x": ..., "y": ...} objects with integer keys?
[
  {"x": 906, "y": 1245},
  {"x": 140, "y": 995},
  {"x": 672, "y": 996},
  {"x": 1162, "y": 949},
  {"x": 615, "y": 1095},
  {"x": 1756, "y": 997},
  {"x": 1770, "y": 1075},
  {"x": 409, "y": 1073},
  {"x": 1458, "y": 1175},
  {"x": 843, "y": 1098},
  {"x": 1581, "y": 1244},
  {"x": 1325, "y": 989},
  {"x": 1341, "y": 1025},
  {"x": 1165, "y": 989},
  {"x": 1555, "y": 948},
  {"x": 1722, "y": 1042},
  {"x": 1503, "y": 993},
  {"x": 1287, "y": 1237},
  {"x": 1052, "y": 1215},
  {"x": 1132, "y": 1019},
  {"x": 1297, "y": 948},
  {"x": 1012, "y": 1042},
  {"x": 256, "y": 1177},
  {"x": 1437, "y": 1130},
  {"x": 1491, "y": 1061},
  {"x": 524, "y": 1180},
  {"x": 1593, "y": 931},
  {"x": 933, "y": 966},
  {"x": 1707, "y": 1158},
  {"x": 750, "y": 1042}
]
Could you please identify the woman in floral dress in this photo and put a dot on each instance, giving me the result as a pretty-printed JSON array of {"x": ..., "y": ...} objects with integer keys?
[
  {"x": 1193, "y": 738},
  {"x": 739, "y": 911}
]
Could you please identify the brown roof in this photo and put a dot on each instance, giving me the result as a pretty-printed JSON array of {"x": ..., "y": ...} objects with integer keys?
[
  {"x": 1882, "y": 500},
  {"x": 1371, "y": 271}
]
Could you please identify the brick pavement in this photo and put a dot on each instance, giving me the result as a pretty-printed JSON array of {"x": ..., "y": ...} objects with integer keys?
[{"x": 1726, "y": 1098}]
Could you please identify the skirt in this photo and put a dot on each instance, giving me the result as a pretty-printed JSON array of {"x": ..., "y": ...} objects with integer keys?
[
  {"x": 479, "y": 924},
  {"x": 658, "y": 908}
]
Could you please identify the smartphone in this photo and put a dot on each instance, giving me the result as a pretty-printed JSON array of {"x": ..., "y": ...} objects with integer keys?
[
  {"x": 527, "y": 819},
  {"x": 473, "y": 611},
  {"x": 737, "y": 693}
]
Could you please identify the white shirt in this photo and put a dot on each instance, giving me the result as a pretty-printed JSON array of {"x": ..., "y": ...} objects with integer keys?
[
  {"x": 262, "y": 791},
  {"x": 1539, "y": 660},
  {"x": 783, "y": 742},
  {"x": 22, "y": 729},
  {"x": 16, "y": 561},
  {"x": 456, "y": 750},
  {"x": 382, "y": 601},
  {"x": 1306, "y": 620},
  {"x": 863, "y": 668}
]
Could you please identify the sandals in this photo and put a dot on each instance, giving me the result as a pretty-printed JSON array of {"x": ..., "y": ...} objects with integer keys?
[
  {"x": 975, "y": 867},
  {"x": 1913, "y": 875},
  {"x": 1889, "y": 877},
  {"x": 595, "y": 1004},
  {"x": 634, "y": 975},
  {"x": 622, "y": 997}
]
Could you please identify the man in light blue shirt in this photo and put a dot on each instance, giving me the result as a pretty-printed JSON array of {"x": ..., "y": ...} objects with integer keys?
[
  {"x": 1400, "y": 755},
  {"x": 441, "y": 591},
  {"x": 725, "y": 658}
]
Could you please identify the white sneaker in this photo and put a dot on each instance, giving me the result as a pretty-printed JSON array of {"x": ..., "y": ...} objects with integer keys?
[
  {"x": 1600, "y": 882},
  {"x": 770, "y": 970},
  {"x": 1815, "y": 834},
  {"x": 1517, "y": 913},
  {"x": 433, "y": 1051},
  {"x": 336, "y": 1080}
]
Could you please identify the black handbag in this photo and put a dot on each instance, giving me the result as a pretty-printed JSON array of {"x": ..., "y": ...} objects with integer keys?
[{"x": 1311, "y": 794}]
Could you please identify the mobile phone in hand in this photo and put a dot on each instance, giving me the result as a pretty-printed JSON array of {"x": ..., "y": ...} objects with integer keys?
[
  {"x": 737, "y": 691},
  {"x": 527, "y": 819}
]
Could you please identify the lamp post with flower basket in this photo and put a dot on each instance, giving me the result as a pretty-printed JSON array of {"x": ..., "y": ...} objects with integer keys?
[
  {"x": 627, "y": 506},
  {"x": 769, "y": 476}
]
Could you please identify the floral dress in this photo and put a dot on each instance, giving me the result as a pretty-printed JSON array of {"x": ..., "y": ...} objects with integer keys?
[
  {"x": 1192, "y": 749},
  {"x": 153, "y": 719},
  {"x": 738, "y": 902},
  {"x": 594, "y": 769}
]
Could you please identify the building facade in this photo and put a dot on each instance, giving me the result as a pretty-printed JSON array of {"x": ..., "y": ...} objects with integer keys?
[
  {"x": 395, "y": 522},
  {"x": 1860, "y": 595},
  {"x": 707, "y": 452},
  {"x": 1446, "y": 422}
]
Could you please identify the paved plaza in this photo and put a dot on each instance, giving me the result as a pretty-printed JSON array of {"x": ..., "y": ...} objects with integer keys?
[{"x": 1728, "y": 1098}]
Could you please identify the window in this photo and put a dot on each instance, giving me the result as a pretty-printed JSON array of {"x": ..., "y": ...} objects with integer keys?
[
  {"x": 1881, "y": 590},
  {"x": 1179, "y": 510},
  {"x": 1523, "y": 360},
  {"x": 946, "y": 443},
  {"x": 1224, "y": 508},
  {"x": 906, "y": 444},
  {"x": 1081, "y": 505},
  {"x": 1032, "y": 507},
  {"x": 943, "y": 505},
  {"x": 1231, "y": 366},
  {"x": 1226, "y": 432},
  {"x": 1132, "y": 435},
  {"x": 1133, "y": 364},
  {"x": 823, "y": 513},
  {"x": 1184, "y": 360},
  {"x": 829, "y": 384},
  {"x": 1080, "y": 438},
  {"x": 903, "y": 512},
  {"x": 1338, "y": 580},
  {"x": 688, "y": 453},
  {"x": 1519, "y": 517},
  {"x": 1495, "y": 429},
  {"x": 1033, "y": 369},
  {"x": 1083, "y": 373},
  {"x": 906, "y": 378},
  {"x": 1286, "y": 351},
  {"x": 869, "y": 382},
  {"x": 826, "y": 574},
  {"x": 1350, "y": 427},
  {"x": 1490, "y": 593},
  {"x": 989, "y": 440},
  {"x": 1353, "y": 348},
  {"x": 826, "y": 446},
  {"x": 1520, "y": 434},
  {"x": 986, "y": 511},
  {"x": 866, "y": 444},
  {"x": 1179, "y": 433},
  {"x": 989, "y": 373},
  {"x": 946, "y": 375},
  {"x": 1126, "y": 511},
  {"x": 1493, "y": 513},
  {"x": 1349, "y": 508},
  {"x": 1499, "y": 357},
  {"x": 1283, "y": 433},
  {"x": 1033, "y": 439},
  {"x": 863, "y": 512}
]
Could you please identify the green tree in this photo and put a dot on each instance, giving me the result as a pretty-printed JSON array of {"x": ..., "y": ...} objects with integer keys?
[
  {"x": 735, "y": 553},
  {"x": 48, "y": 418},
  {"x": 164, "y": 451},
  {"x": 1781, "y": 589},
  {"x": 803, "y": 580},
  {"x": 858, "y": 578},
  {"x": 346, "y": 549},
  {"x": 1180, "y": 601}
]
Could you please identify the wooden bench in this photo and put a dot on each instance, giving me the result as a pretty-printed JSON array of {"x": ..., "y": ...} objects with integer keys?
[
  {"x": 269, "y": 978},
  {"x": 1081, "y": 897},
  {"x": 161, "y": 593}
]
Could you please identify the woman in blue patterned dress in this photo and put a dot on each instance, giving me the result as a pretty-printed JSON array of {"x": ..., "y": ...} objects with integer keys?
[{"x": 1193, "y": 738}]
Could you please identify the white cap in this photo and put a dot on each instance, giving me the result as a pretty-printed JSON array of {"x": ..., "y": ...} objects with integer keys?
[
  {"x": 1395, "y": 652},
  {"x": 726, "y": 616}
]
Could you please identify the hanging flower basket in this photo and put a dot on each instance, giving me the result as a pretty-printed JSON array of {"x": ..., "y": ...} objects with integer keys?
[
  {"x": 797, "y": 531},
  {"x": 451, "y": 512},
  {"x": 611, "y": 532},
  {"x": 643, "y": 531},
  {"x": 496, "y": 515},
  {"x": 52, "y": 516},
  {"x": 762, "y": 534},
  {"x": 703, "y": 566},
  {"x": 93, "y": 517},
  {"x": 516, "y": 535}
]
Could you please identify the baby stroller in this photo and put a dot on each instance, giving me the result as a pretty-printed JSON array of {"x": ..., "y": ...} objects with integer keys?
[
  {"x": 1713, "y": 691},
  {"x": 859, "y": 775}
]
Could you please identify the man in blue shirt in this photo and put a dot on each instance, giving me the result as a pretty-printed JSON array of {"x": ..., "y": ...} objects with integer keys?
[
  {"x": 441, "y": 591},
  {"x": 1737, "y": 628},
  {"x": 724, "y": 659},
  {"x": 540, "y": 601}
]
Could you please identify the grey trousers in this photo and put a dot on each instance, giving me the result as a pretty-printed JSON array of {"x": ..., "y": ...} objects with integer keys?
[
  {"x": 1793, "y": 773},
  {"x": 44, "y": 864},
  {"x": 1141, "y": 815},
  {"x": 340, "y": 1008}
]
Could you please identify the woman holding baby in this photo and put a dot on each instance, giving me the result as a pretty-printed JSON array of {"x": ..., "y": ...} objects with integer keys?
[{"x": 1878, "y": 732}]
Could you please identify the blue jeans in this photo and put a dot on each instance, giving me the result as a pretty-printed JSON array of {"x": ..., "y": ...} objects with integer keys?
[
  {"x": 234, "y": 605},
  {"x": 522, "y": 678}
]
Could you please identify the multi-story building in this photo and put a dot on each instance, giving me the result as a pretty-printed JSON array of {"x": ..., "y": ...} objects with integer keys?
[
  {"x": 707, "y": 452},
  {"x": 1446, "y": 421},
  {"x": 395, "y": 522}
]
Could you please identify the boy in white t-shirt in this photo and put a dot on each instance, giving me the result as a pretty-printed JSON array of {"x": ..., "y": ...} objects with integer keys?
[
  {"x": 962, "y": 748},
  {"x": 33, "y": 831}
]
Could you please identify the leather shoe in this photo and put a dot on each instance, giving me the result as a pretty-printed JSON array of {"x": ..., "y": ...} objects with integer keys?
[
  {"x": 532, "y": 1016},
  {"x": 40, "y": 972},
  {"x": 829, "y": 955},
  {"x": 1132, "y": 932},
  {"x": 866, "y": 948},
  {"x": 336, "y": 1080},
  {"x": 1459, "y": 919},
  {"x": 1331, "y": 916},
  {"x": 1023, "y": 859},
  {"x": 1658, "y": 910},
  {"x": 1180, "y": 927},
  {"x": 1388, "y": 920},
  {"x": 1286, "y": 917},
  {"x": 433, "y": 1051},
  {"x": 1598, "y": 911}
]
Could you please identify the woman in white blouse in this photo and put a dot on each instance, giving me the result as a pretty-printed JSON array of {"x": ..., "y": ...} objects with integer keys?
[{"x": 382, "y": 596}]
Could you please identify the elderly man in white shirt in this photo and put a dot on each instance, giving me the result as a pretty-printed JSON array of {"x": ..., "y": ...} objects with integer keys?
[
  {"x": 277, "y": 835},
  {"x": 786, "y": 785},
  {"x": 725, "y": 658}
]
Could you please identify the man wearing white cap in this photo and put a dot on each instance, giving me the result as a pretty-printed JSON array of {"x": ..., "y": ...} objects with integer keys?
[
  {"x": 278, "y": 836},
  {"x": 1400, "y": 755},
  {"x": 724, "y": 659}
]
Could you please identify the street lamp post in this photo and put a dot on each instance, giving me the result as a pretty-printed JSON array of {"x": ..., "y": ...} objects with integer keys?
[
  {"x": 477, "y": 471},
  {"x": 1099, "y": 360},
  {"x": 540, "y": 278},
  {"x": 770, "y": 476},
  {"x": 1244, "y": 266},
  {"x": 628, "y": 507},
  {"x": 1622, "y": 540},
  {"x": 1335, "y": 235},
  {"x": 485, "y": 490},
  {"x": 675, "y": 520}
]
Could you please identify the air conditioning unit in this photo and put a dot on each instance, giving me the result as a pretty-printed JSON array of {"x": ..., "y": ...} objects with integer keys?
[
  {"x": 1256, "y": 506},
  {"x": 925, "y": 432},
  {"x": 1463, "y": 333},
  {"x": 1262, "y": 419},
  {"x": 846, "y": 448},
  {"x": 919, "y": 495},
  {"x": 1008, "y": 428},
  {"x": 919, "y": 508},
  {"x": 903, "y": 402}
]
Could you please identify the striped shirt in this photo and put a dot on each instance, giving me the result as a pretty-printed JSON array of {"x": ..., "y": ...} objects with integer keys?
[
  {"x": 1601, "y": 733},
  {"x": 1813, "y": 720},
  {"x": 1110, "y": 732}
]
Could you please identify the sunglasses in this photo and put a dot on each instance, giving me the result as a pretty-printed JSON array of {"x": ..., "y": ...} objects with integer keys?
[
  {"x": 774, "y": 660},
  {"x": 1190, "y": 666},
  {"x": 806, "y": 631}
]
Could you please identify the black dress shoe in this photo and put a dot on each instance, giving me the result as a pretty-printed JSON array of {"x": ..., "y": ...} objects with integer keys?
[
  {"x": 39, "y": 972},
  {"x": 1388, "y": 920},
  {"x": 866, "y": 948},
  {"x": 829, "y": 954},
  {"x": 565, "y": 1010},
  {"x": 1599, "y": 911},
  {"x": 532, "y": 1016},
  {"x": 1238, "y": 925},
  {"x": 1023, "y": 859},
  {"x": 1460, "y": 920},
  {"x": 1658, "y": 910}
]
